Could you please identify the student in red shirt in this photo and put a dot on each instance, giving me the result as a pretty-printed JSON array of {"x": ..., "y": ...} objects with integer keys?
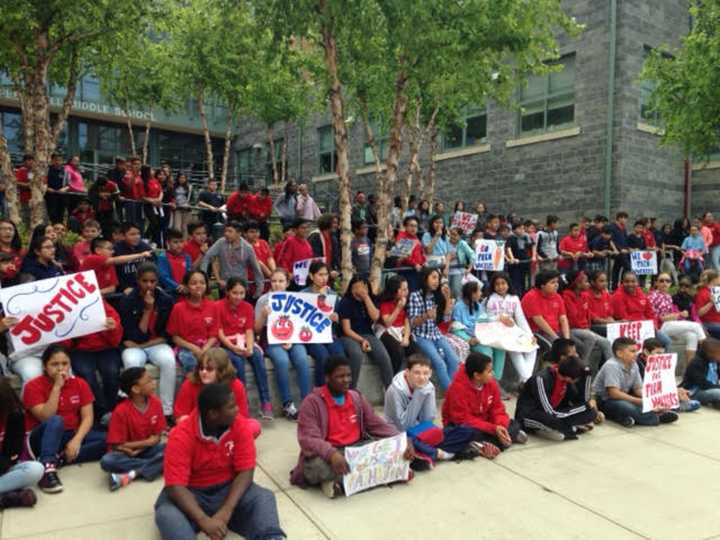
[
  {"x": 197, "y": 244},
  {"x": 102, "y": 262},
  {"x": 209, "y": 465},
  {"x": 133, "y": 191},
  {"x": 279, "y": 248},
  {"x": 23, "y": 174},
  {"x": 630, "y": 304},
  {"x": 99, "y": 353},
  {"x": 708, "y": 313},
  {"x": 239, "y": 203},
  {"x": 260, "y": 212},
  {"x": 397, "y": 337},
  {"x": 11, "y": 245},
  {"x": 134, "y": 432},
  {"x": 214, "y": 367},
  {"x": 90, "y": 231},
  {"x": 296, "y": 248},
  {"x": 544, "y": 307},
  {"x": 332, "y": 417},
  {"x": 600, "y": 302},
  {"x": 417, "y": 256},
  {"x": 173, "y": 264},
  {"x": 574, "y": 250},
  {"x": 263, "y": 254},
  {"x": 193, "y": 323},
  {"x": 60, "y": 418},
  {"x": 577, "y": 305},
  {"x": 152, "y": 197}
]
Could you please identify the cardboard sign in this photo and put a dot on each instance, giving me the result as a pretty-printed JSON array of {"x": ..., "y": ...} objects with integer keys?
[
  {"x": 465, "y": 221},
  {"x": 715, "y": 293},
  {"x": 403, "y": 248},
  {"x": 644, "y": 263},
  {"x": 499, "y": 336},
  {"x": 659, "y": 386},
  {"x": 55, "y": 309},
  {"x": 376, "y": 464},
  {"x": 489, "y": 255},
  {"x": 300, "y": 318},
  {"x": 637, "y": 330},
  {"x": 301, "y": 268}
]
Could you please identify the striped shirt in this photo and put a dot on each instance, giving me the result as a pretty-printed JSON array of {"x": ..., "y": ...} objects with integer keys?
[{"x": 418, "y": 306}]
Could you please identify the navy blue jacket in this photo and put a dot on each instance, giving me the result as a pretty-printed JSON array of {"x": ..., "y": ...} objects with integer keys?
[{"x": 131, "y": 308}]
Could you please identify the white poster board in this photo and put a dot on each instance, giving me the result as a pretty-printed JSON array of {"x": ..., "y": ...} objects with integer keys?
[
  {"x": 403, "y": 248},
  {"x": 52, "y": 310},
  {"x": 644, "y": 263},
  {"x": 489, "y": 255},
  {"x": 715, "y": 294},
  {"x": 659, "y": 386},
  {"x": 499, "y": 336},
  {"x": 637, "y": 330},
  {"x": 301, "y": 269},
  {"x": 376, "y": 464},
  {"x": 300, "y": 318},
  {"x": 465, "y": 221}
]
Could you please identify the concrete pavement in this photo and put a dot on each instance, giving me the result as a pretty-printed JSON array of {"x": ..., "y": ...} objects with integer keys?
[{"x": 613, "y": 483}]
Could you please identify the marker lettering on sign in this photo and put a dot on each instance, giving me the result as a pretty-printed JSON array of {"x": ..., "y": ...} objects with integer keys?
[{"x": 285, "y": 303}]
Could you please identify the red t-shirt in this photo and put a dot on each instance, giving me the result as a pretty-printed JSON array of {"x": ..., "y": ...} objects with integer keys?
[
  {"x": 195, "y": 323},
  {"x": 178, "y": 265},
  {"x": 134, "y": 187},
  {"x": 702, "y": 297},
  {"x": 600, "y": 306},
  {"x": 130, "y": 424},
  {"x": 154, "y": 189},
  {"x": 239, "y": 204},
  {"x": 187, "y": 398},
  {"x": 386, "y": 308},
  {"x": 105, "y": 273},
  {"x": 633, "y": 307},
  {"x": 417, "y": 256},
  {"x": 577, "y": 309},
  {"x": 649, "y": 238},
  {"x": 572, "y": 245},
  {"x": 343, "y": 424},
  {"x": 262, "y": 254},
  {"x": 236, "y": 320},
  {"x": 22, "y": 177},
  {"x": 193, "y": 459},
  {"x": 294, "y": 249},
  {"x": 261, "y": 208},
  {"x": 74, "y": 395},
  {"x": 81, "y": 250},
  {"x": 550, "y": 308},
  {"x": 193, "y": 249}
]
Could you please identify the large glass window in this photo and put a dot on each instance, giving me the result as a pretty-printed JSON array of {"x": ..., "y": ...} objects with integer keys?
[
  {"x": 90, "y": 89},
  {"x": 326, "y": 150},
  {"x": 469, "y": 131},
  {"x": 548, "y": 101}
]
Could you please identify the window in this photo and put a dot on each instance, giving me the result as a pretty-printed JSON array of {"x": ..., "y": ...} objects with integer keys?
[
  {"x": 382, "y": 141},
  {"x": 244, "y": 164},
  {"x": 548, "y": 101},
  {"x": 82, "y": 135},
  {"x": 327, "y": 155},
  {"x": 11, "y": 124},
  {"x": 109, "y": 138},
  {"x": 469, "y": 131},
  {"x": 647, "y": 87},
  {"x": 90, "y": 89}
]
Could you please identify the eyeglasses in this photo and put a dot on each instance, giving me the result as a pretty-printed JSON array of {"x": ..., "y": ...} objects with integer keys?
[{"x": 206, "y": 368}]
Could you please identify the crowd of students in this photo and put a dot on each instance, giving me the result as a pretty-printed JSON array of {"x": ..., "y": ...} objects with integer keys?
[{"x": 198, "y": 310}]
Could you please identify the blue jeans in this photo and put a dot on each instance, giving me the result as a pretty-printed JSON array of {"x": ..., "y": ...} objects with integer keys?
[
  {"x": 619, "y": 409},
  {"x": 713, "y": 329},
  {"x": 281, "y": 359},
  {"x": 707, "y": 397},
  {"x": 664, "y": 339},
  {"x": 443, "y": 358},
  {"x": 48, "y": 440},
  {"x": 320, "y": 353},
  {"x": 148, "y": 464},
  {"x": 258, "y": 366},
  {"x": 187, "y": 359},
  {"x": 108, "y": 363},
  {"x": 255, "y": 516},
  {"x": 21, "y": 475}
]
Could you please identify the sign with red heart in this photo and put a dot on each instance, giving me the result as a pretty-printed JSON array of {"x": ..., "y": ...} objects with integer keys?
[{"x": 644, "y": 263}]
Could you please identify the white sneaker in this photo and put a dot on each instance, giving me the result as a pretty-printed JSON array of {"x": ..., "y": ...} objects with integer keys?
[{"x": 550, "y": 435}]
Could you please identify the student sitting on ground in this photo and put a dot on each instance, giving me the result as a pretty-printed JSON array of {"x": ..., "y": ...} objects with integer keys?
[
  {"x": 473, "y": 402},
  {"x": 208, "y": 469},
  {"x": 16, "y": 477},
  {"x": 102, "y": 262},
  {"x": 550, "y": 404},
  {"x": 618, "y": 387},
  {"x": 134, "y": 432},
  {"x": 410, "y": 405},
  {"x": 332, "y": 417},
  {"x": 59, "y": 418},
  {"x": 654, "y": 346},
  {"x": 701, "y": 376},
  {"x": 173, "y": 264}
]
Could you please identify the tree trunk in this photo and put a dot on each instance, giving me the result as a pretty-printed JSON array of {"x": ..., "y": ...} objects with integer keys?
[
  {"x": 337, "y": 106},
  {"x": 131, "y": 133},
  {"x": 146, "y": 144},
  {"x": 429, "y": 193},
  {"x": 206, "y": 134},
  {"x": 70, "y": 90},
  {"x": 8, "y": 180},
  {"x": 226, "y": 149},
  {"x": 386, "y": 182},
  {"x": 371, "y": 141},
  {"x": 270, "y": 134},
  {"x": 283, "y": 154}
]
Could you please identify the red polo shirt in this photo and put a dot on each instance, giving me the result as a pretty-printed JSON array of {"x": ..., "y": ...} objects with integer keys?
[
  {"x": 343, "y": 424},
  {"x": 239, "y": 204},
  {"x": 702, "y": 297},
  {"x": 235, "y": 320},
  {"x": 104, "y": 272},
  {"x": 261, "y": 208},
  {"x": 192, "y": 248},
  {"x": 631, "y": 307},
  {"x": 577, "y": 308},
  {"x": 154, "y": 189},
  {"x": 74, "y": 395},
  {"x": 294, "y": 249},
  {"x": 196, "y": 460},
  {"x": 187, "y": 398},
  {"x": 262, "y": 254},
  {"x": 600, "y": 306},
  {"x": 550, "y": 308},
  {"x": 195, "y": 323},
  {"x": 133, "y": 187},
  {"x": 130, "y": 424},
  {"x": 22, "y": 177},
  {"x": 416, "y": 256},
  {"x": 105, "y": 339},
  {"x": 572, "y": 245},
  {"x": 178, "y": 266}
]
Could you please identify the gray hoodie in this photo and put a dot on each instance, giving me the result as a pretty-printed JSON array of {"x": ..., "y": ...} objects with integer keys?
[{"x": 407, "y": 409}]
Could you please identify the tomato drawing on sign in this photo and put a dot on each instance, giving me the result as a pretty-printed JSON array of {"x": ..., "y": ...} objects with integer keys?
[{"x": 283, "y": 328}]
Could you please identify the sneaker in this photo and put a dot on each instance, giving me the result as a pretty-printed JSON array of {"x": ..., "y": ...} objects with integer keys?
[
  {"x": 521, "y": 437},
  {"x": 486, "y": 450},
  {"x": 19, "y": 498},
  {"x": 289, "y": 410},
  {"x": 116, "y": 481},
  {"x": 627, "y": 422},
  {"x": 581, "y": 430},
  {"x": 266, "y": 412},
  {"x": 600, "y": 418},
  {"x": 550, "y": 435},
  {"x": 668, "y": 417},
  {"x": 50, "y": 482},
  {"x": 442, "y": 455},
  {"x": 331, "y": 488},
  {"x": 690, "y": 405}
]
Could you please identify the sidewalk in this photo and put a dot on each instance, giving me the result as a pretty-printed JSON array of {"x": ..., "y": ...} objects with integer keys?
[{"x": 614, "y": 483}]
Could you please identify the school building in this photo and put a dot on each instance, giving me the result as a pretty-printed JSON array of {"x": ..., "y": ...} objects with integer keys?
[{"x": 575, "y": 148}]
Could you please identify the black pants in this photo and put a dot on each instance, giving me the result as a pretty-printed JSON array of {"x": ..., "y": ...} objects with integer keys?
[
  {"x": 473, "y": 434},
  {"x": 621, "y": 265},
  {"x": 398, "y": 353},
  {"x": 518, "y": 277},
  {"x": 539, "y": 420},
  {"x": 55, "y": 203}
]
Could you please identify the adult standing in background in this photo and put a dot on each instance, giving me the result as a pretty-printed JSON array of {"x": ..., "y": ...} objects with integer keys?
[
  {"x": 286, "y": 204},
  {"x": 133, "y": 191},
  {"x": 56, "y": 186},
  {"x": 211, "y": 201},
  {"x": 306, "y": 206}
]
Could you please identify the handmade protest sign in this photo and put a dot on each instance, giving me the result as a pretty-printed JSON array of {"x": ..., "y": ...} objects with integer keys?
[
  {"x": 715, "y": 293},
  {"x": 402, "y": 248},
  {"x": 54, "y": 309},
  {"x": 510, "y": 338},
  {"x": 489, "y": 255},
  {"x": 637, "y": 330},
  {"x": 300, "y": 318},
  {"x": 301, "y": 268},
  {"x": 659, "y": 386},
  {"x": 376, "y": 464},
  {"x": 644, "y": 263},
  {"x": 465, "y": 221}
]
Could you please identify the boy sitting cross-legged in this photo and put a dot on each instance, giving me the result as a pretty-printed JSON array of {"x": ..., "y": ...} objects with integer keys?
[{"x": 134, "y": 432}]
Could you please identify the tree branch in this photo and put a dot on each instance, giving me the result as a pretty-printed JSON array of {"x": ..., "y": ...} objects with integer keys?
[{"x": 71, "y": 88}]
